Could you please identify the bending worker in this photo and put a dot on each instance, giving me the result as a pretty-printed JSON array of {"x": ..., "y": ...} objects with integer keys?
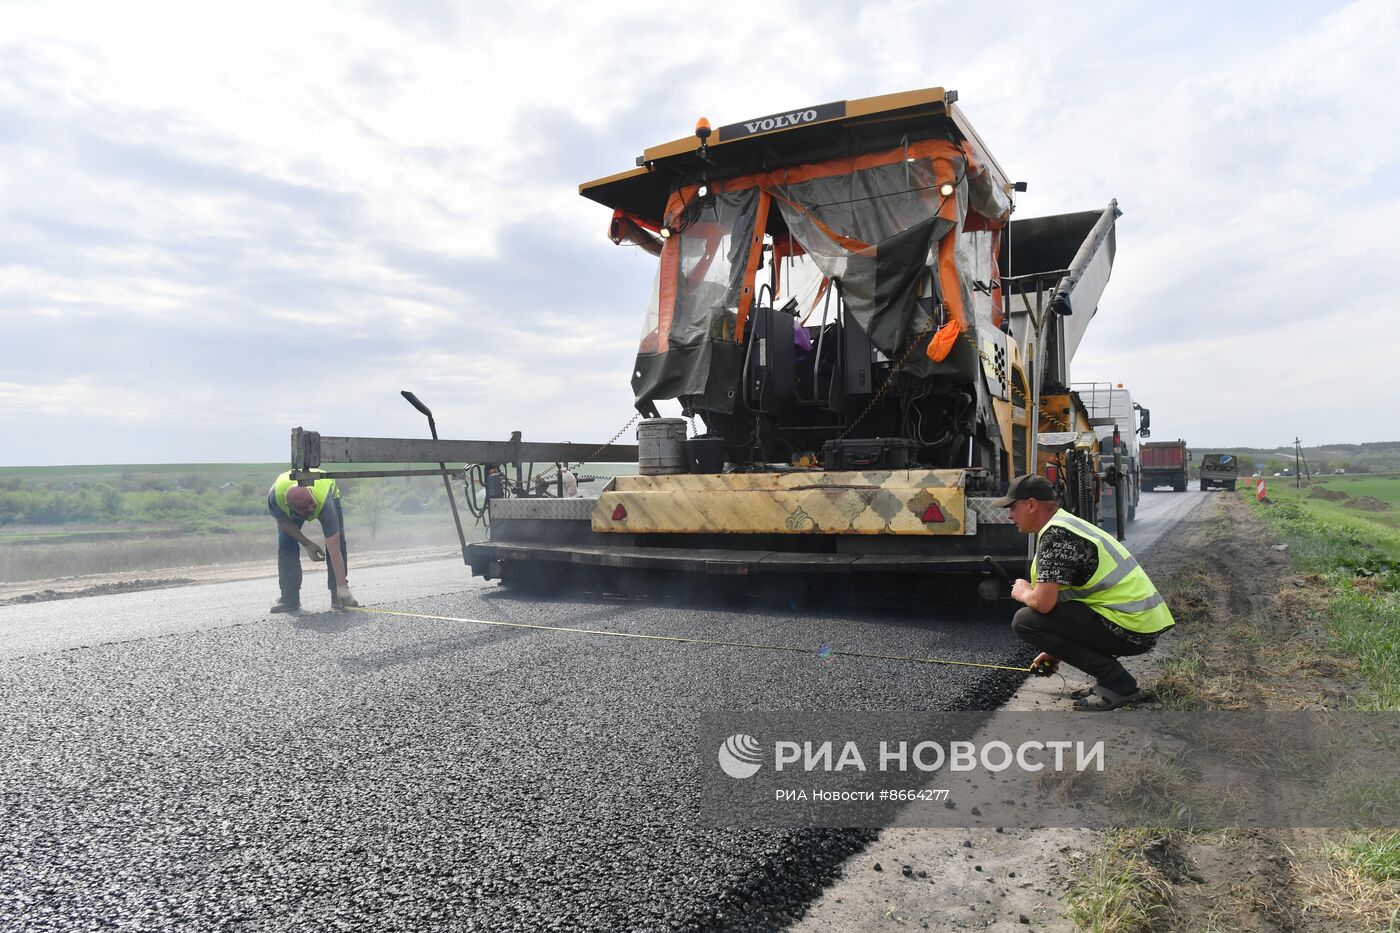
[
  {"x": 291, "y": 505},
  {"x": 1090, "y": 603}
]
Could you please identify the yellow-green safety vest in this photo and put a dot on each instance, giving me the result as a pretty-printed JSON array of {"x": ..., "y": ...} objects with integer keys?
[
  {"x": 321, "y": 491},
  {"x": 1119, "y": 590}
]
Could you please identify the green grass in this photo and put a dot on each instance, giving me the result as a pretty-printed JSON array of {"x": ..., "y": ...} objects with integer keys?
[
  {"x": 1360, "y": 560},
  {"x": 1385, "y": 487},
  {"x": 1119, "y": 891},
  {"x": 1366, "y": 626},
  {"x": 1367, "y": 869},
  {"x": 1375, "y": 855}
]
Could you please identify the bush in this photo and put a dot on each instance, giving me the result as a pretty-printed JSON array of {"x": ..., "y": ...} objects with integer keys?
[
  {"x": 9, "y": 508},
  {"x": 241, "y": 501},
  {"x": 205, "y": 525},
  {"x": 109, "y": 500}
]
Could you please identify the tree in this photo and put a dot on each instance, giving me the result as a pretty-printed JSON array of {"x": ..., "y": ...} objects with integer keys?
[{"x": 370, "y": 501}]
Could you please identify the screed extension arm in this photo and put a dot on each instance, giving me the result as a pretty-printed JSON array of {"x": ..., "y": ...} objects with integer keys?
[{"x": 311, "y": 449}]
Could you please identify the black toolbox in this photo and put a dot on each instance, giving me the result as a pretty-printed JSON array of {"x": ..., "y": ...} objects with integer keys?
[{"x": 869, "y": 453}]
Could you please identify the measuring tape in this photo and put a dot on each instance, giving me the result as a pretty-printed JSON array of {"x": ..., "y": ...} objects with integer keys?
[{"x": 688, "y": 641}]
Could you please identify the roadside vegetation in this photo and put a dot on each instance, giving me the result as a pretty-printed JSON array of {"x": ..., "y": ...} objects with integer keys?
[
  {"x": 70, "y": 521},
  {"x": 1301, "y": 611},
  {"x": 1346, "y": 530}
]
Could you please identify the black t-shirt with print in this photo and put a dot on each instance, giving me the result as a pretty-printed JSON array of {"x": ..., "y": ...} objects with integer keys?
[{"x": 1065, "y": 558}]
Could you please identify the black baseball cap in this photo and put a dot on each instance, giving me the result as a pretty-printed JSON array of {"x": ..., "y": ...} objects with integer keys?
[{"x": 1031, "y": 486}]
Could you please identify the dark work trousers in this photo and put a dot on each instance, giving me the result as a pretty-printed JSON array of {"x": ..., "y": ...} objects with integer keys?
[
  {"x": 1079, "y": 636},
  {"x": 289, "y": 559}
]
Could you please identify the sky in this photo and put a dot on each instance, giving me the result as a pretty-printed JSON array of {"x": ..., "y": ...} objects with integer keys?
[{"x": 222, "y": 221}]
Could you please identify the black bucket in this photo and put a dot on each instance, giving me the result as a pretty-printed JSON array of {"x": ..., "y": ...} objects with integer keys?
[{"x": 706, "y": 454}]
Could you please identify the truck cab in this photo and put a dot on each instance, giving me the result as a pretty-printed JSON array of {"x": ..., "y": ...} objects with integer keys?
[
  {"x": 1219, "y": 471},
  {"x": 1113, "y": 413}
]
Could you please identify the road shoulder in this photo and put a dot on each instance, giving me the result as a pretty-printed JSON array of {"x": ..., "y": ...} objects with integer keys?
[
  {"x": 998, "y": 880},
  {"x": 133, "y": 581}
]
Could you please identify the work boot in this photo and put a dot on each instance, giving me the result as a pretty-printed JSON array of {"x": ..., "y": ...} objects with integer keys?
[{"x": 285, "y": 605}]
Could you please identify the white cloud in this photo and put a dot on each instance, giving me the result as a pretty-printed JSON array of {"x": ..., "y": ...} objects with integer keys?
[{"x": 182, "y": 187}]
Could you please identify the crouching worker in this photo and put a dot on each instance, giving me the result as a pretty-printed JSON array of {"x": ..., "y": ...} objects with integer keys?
[
  {"x": 291, "y": 505},
  {"x": 1089, "y": 603}
]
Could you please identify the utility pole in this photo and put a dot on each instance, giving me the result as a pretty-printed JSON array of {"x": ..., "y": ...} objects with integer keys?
[{"x": 1300, "y": 464}]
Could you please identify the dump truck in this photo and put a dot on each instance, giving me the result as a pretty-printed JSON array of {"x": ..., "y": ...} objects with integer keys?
[
  {"x": 1219, "y": 471},
  {"x": 868, "y": 347},
  {"x": 1164, "y": 463},
  {"x": 1119, "y": 422}
]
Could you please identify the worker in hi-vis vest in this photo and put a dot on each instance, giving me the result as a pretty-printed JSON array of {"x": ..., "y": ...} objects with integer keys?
[
  {"x": 1088, "y": 603},
  {"x": 292, "y": 505}
]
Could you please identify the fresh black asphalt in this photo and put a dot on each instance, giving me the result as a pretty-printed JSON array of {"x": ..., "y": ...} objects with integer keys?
[{"x": 372, "y": 772}]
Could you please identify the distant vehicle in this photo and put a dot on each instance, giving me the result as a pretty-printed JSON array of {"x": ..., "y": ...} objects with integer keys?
[
  {"x": 1113, "y": 412},
  {"x": 1339, "y": 472},
  {"x": 1278, "y": 474},
  {"x": 1164, "y": 464},
  {"x": 1219, "y": 470}
]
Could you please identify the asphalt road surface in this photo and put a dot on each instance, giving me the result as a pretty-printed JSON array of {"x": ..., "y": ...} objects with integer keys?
[{"x": 179, "y": 759}]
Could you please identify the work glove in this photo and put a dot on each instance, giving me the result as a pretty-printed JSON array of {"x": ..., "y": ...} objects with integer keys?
[
  {"x": 344, "y": 598},
  {"x": 315, "y": 552}
]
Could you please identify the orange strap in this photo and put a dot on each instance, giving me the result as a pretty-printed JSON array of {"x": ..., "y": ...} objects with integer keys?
[
  {"x": 760, "y": 223},
  {"x": 942, "y": 343},
  {"x": 666, "y": 294}
]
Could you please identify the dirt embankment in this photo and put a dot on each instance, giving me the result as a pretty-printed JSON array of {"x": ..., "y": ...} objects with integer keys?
[
  {"x": 1367, "y": 504},
  {"x": 1360, "y": 503},
  {"x": 1249, "y": 636}
]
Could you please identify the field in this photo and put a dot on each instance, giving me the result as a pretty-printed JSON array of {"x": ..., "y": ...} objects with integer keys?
[
  {"x": 78, "y": 520},
  {"x": 1363, "y": 508},
  {"x": 64, "y": 521},
  {"x": 1347, "y": 529}
]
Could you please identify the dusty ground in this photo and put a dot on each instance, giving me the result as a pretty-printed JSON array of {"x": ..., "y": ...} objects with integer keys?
[
  {"x": 1250, "y": 638},
  {"x": 130, "y": 581},
  {"x": 1227, "y": 586}
]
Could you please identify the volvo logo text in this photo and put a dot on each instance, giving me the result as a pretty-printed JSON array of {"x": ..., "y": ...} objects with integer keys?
[{"x": 780, "y": 121}]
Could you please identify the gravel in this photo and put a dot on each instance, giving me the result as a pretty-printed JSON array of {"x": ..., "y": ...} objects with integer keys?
[{"x": 351, "y": 771}]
